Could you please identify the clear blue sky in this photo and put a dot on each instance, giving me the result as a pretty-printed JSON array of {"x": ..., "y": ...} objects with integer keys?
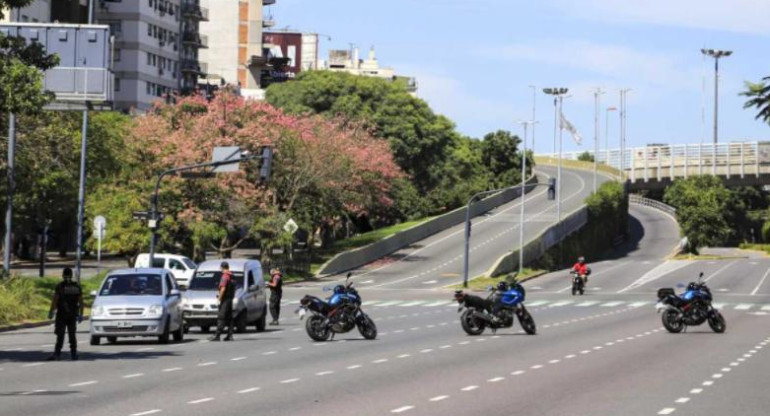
[{"x": 474, "y": 59}]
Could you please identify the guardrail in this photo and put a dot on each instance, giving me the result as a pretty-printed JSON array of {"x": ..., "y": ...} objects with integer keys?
[{"x": 647, "y": 202}]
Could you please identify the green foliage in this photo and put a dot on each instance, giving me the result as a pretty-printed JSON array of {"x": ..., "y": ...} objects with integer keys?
[
  {"x": 766, "y": 231},
  {"x": 21, "y": 77},
  {"x": 586, "y": 157},
  {"x": 28, "y": 299},
  {"x": 704, "y": 209},
  {"x": 759, "y": 97}
]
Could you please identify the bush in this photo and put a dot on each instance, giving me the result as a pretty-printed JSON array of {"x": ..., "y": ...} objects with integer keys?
[
  {"x": 704, "y": 209},
  {"x": 19, "y": 300},
  {"x": 586, "y": 157}
]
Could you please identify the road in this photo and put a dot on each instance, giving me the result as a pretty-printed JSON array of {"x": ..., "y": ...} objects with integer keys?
[{"x": 604, "y": 353}]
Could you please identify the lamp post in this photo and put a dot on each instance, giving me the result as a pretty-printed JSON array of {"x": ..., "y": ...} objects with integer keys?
[
  {"x": 534, "y": 96},
  {"x": 523, "y": 193},
  {"x": 558, "y": 94},
  {"x": 622, "y": 138},
  {"x": 597, "y": 93},
  {"x": 607, "y": 132},
  {"x": 716, "y": 54}
]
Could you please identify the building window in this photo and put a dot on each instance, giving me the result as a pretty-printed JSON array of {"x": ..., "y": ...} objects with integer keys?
[
  {"x": 149, "y": 29},
  {"x": 116, "y": 55},
  {"x": 24, "y": 18},
  {"x": 149, "y": 58},
  {"x": 117, "y": 84},
  {"x": 115, "y": 27},
  {"x": 148, "y": 88}
]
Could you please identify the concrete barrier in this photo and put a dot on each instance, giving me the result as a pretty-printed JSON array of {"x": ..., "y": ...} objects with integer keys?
[
  {"x": 538, "y": 246},
  {"x": 353, "y": 259}
]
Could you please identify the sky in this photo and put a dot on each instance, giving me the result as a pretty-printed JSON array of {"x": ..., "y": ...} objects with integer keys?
[{"x": 474, "y": 61}]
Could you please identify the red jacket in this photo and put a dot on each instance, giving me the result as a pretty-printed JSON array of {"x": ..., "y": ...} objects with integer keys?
[{"x": 582, "y": 269}]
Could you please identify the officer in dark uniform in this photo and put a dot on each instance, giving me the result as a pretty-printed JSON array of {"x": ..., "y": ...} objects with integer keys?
[
  {"x": 225, "y": 297},
  {"x": 276, "y": 293},
  {"x": 67, "y": 302}
]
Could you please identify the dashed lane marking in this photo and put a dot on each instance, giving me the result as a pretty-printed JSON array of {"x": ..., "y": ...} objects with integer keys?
[
  {"x": 149, "y": 412},
  {"x": 438, "y": 398},
  {"x": 288, "y": 381},
  {"x": 199, "y": 401},
  {"x": 84, "y": 383},
  {"x": 402, "y": 409},
  {"x": 667, "y": 411},
  {"x": 249, "y": 390}
]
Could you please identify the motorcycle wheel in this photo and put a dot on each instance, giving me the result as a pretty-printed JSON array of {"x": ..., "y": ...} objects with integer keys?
[
  {"x": 527, "y": 323},
  {"x": 671, "y": 323},
  {"x": 574, "y": 290},
  {"x": 471, "y": 325},
  {"x": 316, "y": 329},
  {"x": 367, "y": 328},
  {"x": 717, "y": 322}
]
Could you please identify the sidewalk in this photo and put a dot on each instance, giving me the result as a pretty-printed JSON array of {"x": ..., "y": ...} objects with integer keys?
[{"x": 55, "y": 264}]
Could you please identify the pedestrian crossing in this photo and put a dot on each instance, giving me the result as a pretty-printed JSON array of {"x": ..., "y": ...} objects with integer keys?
[{"x": 546, "y": 303}]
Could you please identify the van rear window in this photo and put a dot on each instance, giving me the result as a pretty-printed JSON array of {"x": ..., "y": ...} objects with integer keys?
[{"x": 210, "y": 280}]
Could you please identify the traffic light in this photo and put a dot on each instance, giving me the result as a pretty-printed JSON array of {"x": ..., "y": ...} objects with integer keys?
[
  {"x": 551, "y": 189},
  {"x": 267, "y": 164}
]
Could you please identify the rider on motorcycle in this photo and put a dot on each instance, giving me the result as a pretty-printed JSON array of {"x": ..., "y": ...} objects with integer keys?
[{"x": 582, "y": 269}]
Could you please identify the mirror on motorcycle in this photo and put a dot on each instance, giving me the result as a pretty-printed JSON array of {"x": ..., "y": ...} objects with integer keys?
[
  {"x": 490, "y": 288},
  {"x": 680, "y": 285},
  {"x": 700, "y": 276},
  {"x": 327, "y": 289}
]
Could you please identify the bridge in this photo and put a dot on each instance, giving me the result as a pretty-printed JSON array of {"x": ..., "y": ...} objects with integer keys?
[{"x": 654, "y": 167}]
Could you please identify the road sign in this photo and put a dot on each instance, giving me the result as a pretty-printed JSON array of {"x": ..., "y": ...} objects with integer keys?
[
  {"x": 227, "y": 153},
  {"x": 290, "y": 227},
  {"x": 141, "y": 215},
  {"x": 100, "y": 225}
]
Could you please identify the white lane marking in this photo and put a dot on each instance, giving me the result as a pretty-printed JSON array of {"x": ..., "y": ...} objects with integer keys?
[
  {"x": 237, "y": 358},
  {"x": 638, "y": 304},
  {"x": 27, "y": 393},
  {"x": 562, "y": 303},
  {"x": 290, "y": 380},
  {"x": 743, "y": 307},
  {"x": 667, "y": 411},
  {"x": 427, "y": 350},
  {"x": 438, "y": 398},
  {"x": 207, "y": 399},
  {"x": 612, "y": 304},
  {"x": 430, "y": 282},
  {"x": 708, "y": 383},
  {"x": 402, "y": 409},
  {"x": 32, "y": 364},
  {"x": 249, "y": 390},
  {"x": 380, "y": 361},
  {"x": 537, "y": 303},
  {"x": 443, "y": 347},
  {"x": 413, "y": 303},
  {"x": 588, "y": 303},
  {"x": 276, "y": 352},
  {"x": 719, "y": 271},
  {"x": 353, "y": 367},
  {"x": 390, "y": 303},
  {"x": 85, "y": 383},
  {"x": 659, "y": 271},
  {"x": 295, "y": 348},
  {"x": 404, "y": 355},
  {"x": 585, "y": 352},
  {"x": 553, "y": 361},
  {"x": 766, "y": 308},
  {"x": 495, "y": 380},
  {"x": 756, "y": 289},
  {"x": 682, "y": 400},
  {"x": 537, "y": 366},
  {"x": 717, "y": 375},
  {"x": 206, "y": 364},
  {"x": 324, "y": 373},
  {"x": 168, "y": 370},
  {"x": 570, "y": 356},
  {"x": 469, "y": 388},
  {"x": 133, "y": 375},
  {"x": 145, "y": 349},
  {"x": 149, "y": 412},
  {"x": 696, "y": 391},
  {"x": 440, "y": 303},
  {"x": 518, "y": 373}
]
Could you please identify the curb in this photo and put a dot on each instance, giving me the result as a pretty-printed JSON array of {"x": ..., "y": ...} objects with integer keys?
[{"x": 29, "y": 325}]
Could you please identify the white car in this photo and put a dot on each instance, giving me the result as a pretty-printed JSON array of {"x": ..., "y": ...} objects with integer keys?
[
  {"x": 182, "y": 267},
  {"x": 137, "y": 303}
]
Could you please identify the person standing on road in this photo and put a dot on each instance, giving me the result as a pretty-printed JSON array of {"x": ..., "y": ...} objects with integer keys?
[
  {"x": 67, "y": 303},
  {"x": 225, "y": 297},
  {"x": 276, "y": 293}
]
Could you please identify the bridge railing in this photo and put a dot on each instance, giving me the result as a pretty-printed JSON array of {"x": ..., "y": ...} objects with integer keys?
[
  {"x": 681, "y": 161},
  {"x": 647, "y": 202}
]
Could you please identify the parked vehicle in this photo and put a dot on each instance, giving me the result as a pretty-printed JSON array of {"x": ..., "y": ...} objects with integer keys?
[
  {"x": 338, "y": 315},
  {"x": 249, "y": 306},
  {"x": 137, "y": 303},
  {"x": 577, "y": 283},
  {"x": 496, "y": 311},
  {"x": 182, "y": 267},
  {"x": 691, "y": 308}
]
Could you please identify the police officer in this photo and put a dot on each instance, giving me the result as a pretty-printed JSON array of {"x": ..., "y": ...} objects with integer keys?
[
  {"x": 225, "y": 297},
  {"x": 67, "y": 302},
  {"x": 276, "y": 293}
]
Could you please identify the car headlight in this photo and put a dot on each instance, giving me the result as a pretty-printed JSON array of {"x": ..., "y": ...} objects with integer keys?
[
  {"x": 185, "y": 303},
  {"x": 155, "y": 311},
  {"x": 97, "y": 311}
]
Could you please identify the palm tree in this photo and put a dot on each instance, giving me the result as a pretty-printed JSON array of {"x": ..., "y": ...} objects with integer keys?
[{"x": 759, "y": 95}]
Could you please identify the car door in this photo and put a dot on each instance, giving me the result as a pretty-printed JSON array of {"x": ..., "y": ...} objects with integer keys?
[
  {"x": 173, "y": 303},
  {"x": 251, "y": 295},
  {"x": 177, "y": 268}
]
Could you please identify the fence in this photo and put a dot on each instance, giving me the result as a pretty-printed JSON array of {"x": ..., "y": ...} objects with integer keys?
[
  {"x": 647, "y": 202},
  {"x": 356, "y": 258}
]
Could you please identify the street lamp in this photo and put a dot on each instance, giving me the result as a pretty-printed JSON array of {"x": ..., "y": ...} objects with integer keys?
[
  {"x": 558, "y": 96},
  {"x": 597, "y": 92},
  {"x": 534, "y": 96},
  {"x": 523, "y": 194},
  {"x": 607, "y": 133},
  {"x": 716, "y": 54}
]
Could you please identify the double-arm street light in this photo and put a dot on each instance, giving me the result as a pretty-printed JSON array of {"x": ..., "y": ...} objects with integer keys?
[
  {"x": 558, "y": 100},
  {"x": 523, "y": 184},
  {"x": 716, "y": 54}
]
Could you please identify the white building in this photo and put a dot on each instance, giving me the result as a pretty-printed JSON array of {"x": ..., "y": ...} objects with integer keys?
[
  {"x": 39, "y": 11},
  {"x": 349, "y": 61}
]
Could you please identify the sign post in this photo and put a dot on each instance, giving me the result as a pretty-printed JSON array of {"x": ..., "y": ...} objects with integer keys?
[{"x": 100, "y": 225}]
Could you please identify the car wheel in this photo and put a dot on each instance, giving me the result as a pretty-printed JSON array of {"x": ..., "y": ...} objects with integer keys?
[
  {"x": 205, "y": 329},
  {"x": 179, "y": 333},
  {"x": 163, "y": 338},
  {"x": 95, "y": 340},
  {"x": 240, "y": 322},
  {"x": 262, "y": 321}
]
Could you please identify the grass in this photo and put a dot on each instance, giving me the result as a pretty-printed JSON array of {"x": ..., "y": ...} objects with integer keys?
[
  {"x": 689, "y": 256},
  {"x": 27, "y": 299},
  {"x": 577, "y": 164},
  {"x": 756, "y": 247},
  {"x": 481, "y": 283}
]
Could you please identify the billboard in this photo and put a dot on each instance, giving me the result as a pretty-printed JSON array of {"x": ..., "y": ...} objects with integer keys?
[{"x": 284, "y": 56}]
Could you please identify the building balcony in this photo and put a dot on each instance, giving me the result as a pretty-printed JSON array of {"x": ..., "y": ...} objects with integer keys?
[
  {"x": 195, "y": 39},
  {"x": 268, "y": 23},
  {"x": 268, "y": 2},
  {"x": 195, "y": 12},
  {"x": 257, "y": 61},
  {"x": 191, "y": 66}
]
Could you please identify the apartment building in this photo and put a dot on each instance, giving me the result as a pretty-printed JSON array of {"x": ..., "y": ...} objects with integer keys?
[
  {"x": 156, "y": 43},
  {"x": 39, "y": 11},
  {"x": 341, "y": 60},
  {"x": 236, "y": 54}
]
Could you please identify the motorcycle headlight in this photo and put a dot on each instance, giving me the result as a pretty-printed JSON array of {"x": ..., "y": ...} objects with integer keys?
[
  {"x": 235, "y": 302},
  {"x": 155, "y": 311},
  {"x": 97, "y": 311}
]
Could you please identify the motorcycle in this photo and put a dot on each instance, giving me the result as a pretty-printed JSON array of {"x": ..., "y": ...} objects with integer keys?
[
  {"x": 577, "y": 283},
  {"x": 337, "y": 315},
  {"x": 691, "y": 308},
  {"x": 496, "y": 311}
]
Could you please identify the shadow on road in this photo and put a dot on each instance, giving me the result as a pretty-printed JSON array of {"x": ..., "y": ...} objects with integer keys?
[
  {"x": 38, "y": 393},
  {"x": 631, "y": 245},
  {"x": 40, "y": 355}
]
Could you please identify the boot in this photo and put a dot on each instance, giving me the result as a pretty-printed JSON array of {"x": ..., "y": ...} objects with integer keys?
[
  {"x": 54, "y": 357},
  {"x": 214, "y": 338},
  {"x": 228, "y": 338},
  {"x": 74, "y": 355}
]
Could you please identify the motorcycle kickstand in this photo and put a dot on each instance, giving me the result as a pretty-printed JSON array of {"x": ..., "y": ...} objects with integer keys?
[{"x": 332, "y": 338}]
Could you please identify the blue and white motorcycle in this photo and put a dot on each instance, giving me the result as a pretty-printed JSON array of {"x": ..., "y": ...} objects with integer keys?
[
  {"x": 337, "y": 315},
  {"x": 691, "y": 308},
  {"x": 496, "y": 311}
]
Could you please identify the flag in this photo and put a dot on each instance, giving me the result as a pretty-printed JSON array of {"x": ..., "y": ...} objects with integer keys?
[{"x": 565, "y": 124}]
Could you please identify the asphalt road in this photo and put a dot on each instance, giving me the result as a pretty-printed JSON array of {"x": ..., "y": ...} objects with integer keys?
[{"x": 604, "y": 353}]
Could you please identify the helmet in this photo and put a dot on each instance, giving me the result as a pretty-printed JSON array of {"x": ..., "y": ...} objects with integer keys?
[
  {"x": 581, "y": 259},
  {"x": 502, "y": 286},
  {"x": 339, "y": 289},
  {"x": 224, "y": 266},
  {"x": 66, "y": 273}
]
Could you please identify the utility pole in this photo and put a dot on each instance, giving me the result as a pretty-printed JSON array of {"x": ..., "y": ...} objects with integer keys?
[
  {"x": 523, "y": 191},
  {"x": 558, "y": 94},
  {"x": 534, "y": 100},
  {"x": 607, "y": 133},
  {"x": 597, "y": 92},
  {"x": 9, "y": 194}
]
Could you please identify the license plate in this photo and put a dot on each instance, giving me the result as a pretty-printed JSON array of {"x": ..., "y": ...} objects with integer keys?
[{"x": 124, "y": 324}]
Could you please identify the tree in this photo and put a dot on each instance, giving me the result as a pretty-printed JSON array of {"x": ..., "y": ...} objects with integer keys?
[
  {"x": 586, "y": 157},
  {"x": 759, "y": 97},
  {"x": 704, "y": 207},
  {"x": 21, "y": 76}
]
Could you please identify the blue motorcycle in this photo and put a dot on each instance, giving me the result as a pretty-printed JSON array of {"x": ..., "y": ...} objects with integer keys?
[
  {"x": 691, "y": 308},
  {"x": 496, "y": 311},
  {"x": 337, "y": 315}
]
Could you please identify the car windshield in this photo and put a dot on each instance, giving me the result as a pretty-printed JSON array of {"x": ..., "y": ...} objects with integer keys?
[
  {"x": 189, "y": 263},
  {"x": 132, "y": 285},
  {"x": 210, "y": 280}
]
